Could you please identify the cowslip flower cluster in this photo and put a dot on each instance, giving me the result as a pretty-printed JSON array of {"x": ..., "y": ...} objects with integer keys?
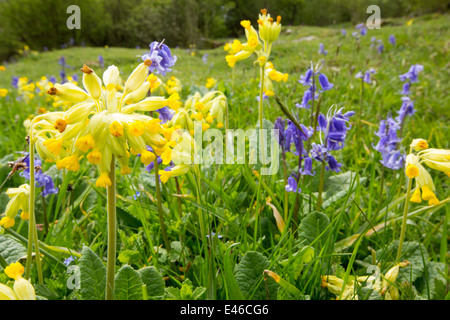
[
  {"x": 259, "y": 42},
  {"x": 102, "y": 123},
  {"x": 18, "y": 200},
  {"x": 437, "y": 159},
  {"x": 208, "y": 109},
  {"x": 22, "y": 288},
  {"x": 270, "y": 75},
  {"x": 383, "y": 284}
]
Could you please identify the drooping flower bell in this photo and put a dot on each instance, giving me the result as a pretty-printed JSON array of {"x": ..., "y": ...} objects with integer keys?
[
  {"x": 18, "y": 200},
  {"x": 161, "y": 58},
  {"x": 103, "y": 122}
]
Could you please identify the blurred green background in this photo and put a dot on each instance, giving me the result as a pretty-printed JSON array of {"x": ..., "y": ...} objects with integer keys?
[{"x": 41, "y": 24}]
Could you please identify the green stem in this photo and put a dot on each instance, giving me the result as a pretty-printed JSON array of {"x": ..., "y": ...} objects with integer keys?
[
  {"x": 321, "y": 183},
  {"x": 159, "y": 204},
  {"x": 405, "y": 218},
  {"x": 261, "y": 104},
  {"x": 111, "y": 210},
  {"x": 32, "y": 233}
]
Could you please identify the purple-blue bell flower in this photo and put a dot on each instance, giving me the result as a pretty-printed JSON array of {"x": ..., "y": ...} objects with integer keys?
[
  {"x": 407, "y": 109},
  {"x": 101, "y": 61},
  {"x": 412, "y": 74},
  {"x": 320, "y": 153},
  {"x": 280, "y": 125},
  {"x": 405, "y": 88},
  {"x": 306, "y": 79},
  {"x": 62, "y": 61},
  {"x": 205, "y": 58},
  {"x": 392, "y": 40},
  {"x": 52, "y": 79},
  {"x": 366, "y": 76},
  {"x": 322, "y": 49},
  {"x": 14, "y": 82},
  {"x": 307, "y": 167},
  {"x": 344, "y": 32},
  {"x": 292, "y": 185},
  {"x": 136, "y": 195},
  {"x": 42, "y": 180},
  {"x": 165, "y": 114},
  {"x": 380, "y": 48},
  {"x": 69, "y": 260},
  {"x": 161, "y": 58},
  {"x": 149, "y": 168},
  {"x": 393, "y": 160},
  {"x": 307, "y": 97},
  {"x": 335, "y": 129},
  {"x": 324, "y": 83}
]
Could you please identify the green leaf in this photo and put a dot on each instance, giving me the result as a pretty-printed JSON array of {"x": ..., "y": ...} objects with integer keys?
[
  {"x": 232, "y": 288},
  {"x": 312, "y": 227},
  {"x": 434, "y": 282},
  {"x": 153, "y": 280},
  {"x": 10, "y": 249},
  {"x": 128, "y": 284},
  {"x": 92, "y": 275},
  {"x": 250, "y": 278}
]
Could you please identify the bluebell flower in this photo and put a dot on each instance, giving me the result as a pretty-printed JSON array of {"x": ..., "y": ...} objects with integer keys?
[
  {"x": 306, "y": 79},
  {"x": 62, "y": 61},
  {"x": 344, "y": 32},
  {"x": 149, "y": 168},
  {"x": 52, "y": 79},
  {"x": 392, "y": 40},
  {"x": 407, "y": 109},
  {"x": 101, "y": 61},
  {"x": 205, "y": 58},
  {"x": 320, "y": 153},
  {"x": 405, "y": 88},
  {"x": 387, "y": 145},
  {"x": 14, "y": 82},
  {"x": 322, "y": 49},
  {"x": 161, "y": 58},
  {"x": 69, "y": 260},
  {"x": 412, "y": 74},
  {"x": 75, "y": 77},
  {"x": 42, "y": 180},
  {"x": 324, "y": 83},
  {"x": 292, "y": 185},
  {"x": 380, "y": 48},
  {"x": 366, "y": 77},
  {"x": 307, "y": 97},
  {"x": 165, "y": 114},
  {"x": 62, "y": 74},
  {"x": 293, "y": 135},
  {"x": 280, "y": 125},
  {"x": 307, "y": 167},
  {"x": 335, "y": 129}
]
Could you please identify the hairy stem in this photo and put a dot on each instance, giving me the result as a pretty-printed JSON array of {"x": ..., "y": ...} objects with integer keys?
[{"x": 111, "y": 209}]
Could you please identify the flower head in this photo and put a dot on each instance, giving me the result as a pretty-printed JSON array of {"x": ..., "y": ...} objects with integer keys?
[{"x": 161, "y": 58}]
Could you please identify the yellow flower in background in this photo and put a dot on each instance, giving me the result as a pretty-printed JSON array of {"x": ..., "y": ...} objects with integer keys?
[
  {"x": 2, "y": 68},
  {"x": 210, "y": 82},
  {"x": 409, "y": 22},
  {"x": 3, "y": 92},
  {"x": 102, "y": 122},
  {"x": 437, "y": 159},
  {"x": 18, "y": 200},
  {"x": 22, "y": 289}
]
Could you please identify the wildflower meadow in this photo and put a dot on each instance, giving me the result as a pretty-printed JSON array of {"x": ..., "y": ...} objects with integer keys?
[{"x": 290, "y": 162}]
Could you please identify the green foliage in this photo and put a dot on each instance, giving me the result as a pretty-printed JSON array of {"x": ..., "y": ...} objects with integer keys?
[{"x": 92, "y": 275}]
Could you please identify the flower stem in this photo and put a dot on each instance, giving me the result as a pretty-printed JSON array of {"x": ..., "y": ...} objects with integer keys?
[
  {"x": 405, "y": 218},
  {"x": 159, "y": 204},
  {"x": 111, "y": 210},
  {"x": 321, "y": 183},
  {"x": 261, "y": 104},
  {"x": 32, "y": 233}
]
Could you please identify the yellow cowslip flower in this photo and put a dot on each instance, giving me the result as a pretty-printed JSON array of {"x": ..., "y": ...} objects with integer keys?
[
  {"x": 2, "y": 68},
  {"x": 415, "y": 170},
  {"x": 419, "y": 144},
  {"x": 258, "y": 42},
  {"x": 102, "y": 122},
  {"x": 437, "y": 159},
  {"x": 22, "y": 289},
  {"x": 335, "y": 284},
  {"x": 268, "y": 29},
  {"x": 18, "y": 201},
  {"x": 270, "y": 74},
  {"x": 184, "y": 155},
  {"x": 210, "y": 82},
  {"x": 387, "y": 289},
  {"x": 3, "y": 92},
  {"x": 173, "y": 85}
]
